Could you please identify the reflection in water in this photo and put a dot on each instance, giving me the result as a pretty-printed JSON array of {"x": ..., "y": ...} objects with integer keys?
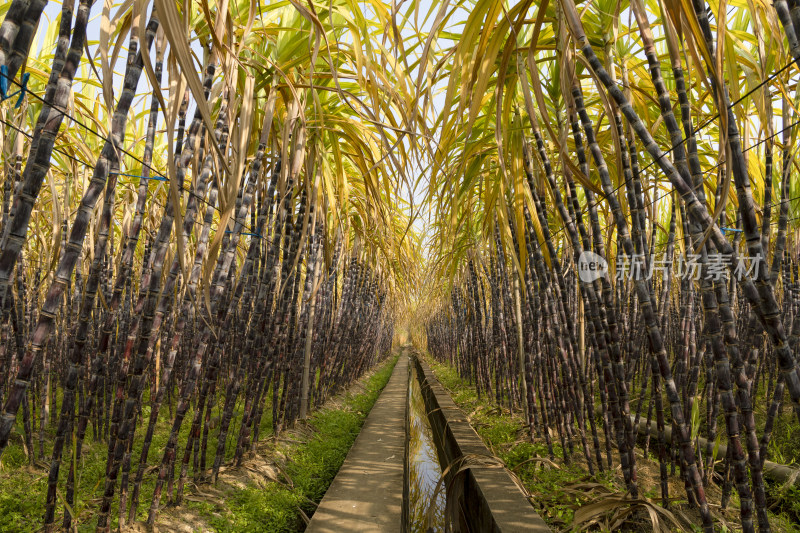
[{"x": 424, "y": 470}]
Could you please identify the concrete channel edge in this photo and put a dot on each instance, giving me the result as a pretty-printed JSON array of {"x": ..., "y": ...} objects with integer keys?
[{"x": 488, "y": 500}]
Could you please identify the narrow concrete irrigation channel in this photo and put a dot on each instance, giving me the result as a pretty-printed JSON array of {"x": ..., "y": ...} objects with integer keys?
[
  {"x": 424, "y": 496},
  {"x": 390, "y": 480}
]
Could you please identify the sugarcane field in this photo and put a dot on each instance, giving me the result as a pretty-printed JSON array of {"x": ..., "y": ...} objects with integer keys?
[{"x": 391, "y": 266}]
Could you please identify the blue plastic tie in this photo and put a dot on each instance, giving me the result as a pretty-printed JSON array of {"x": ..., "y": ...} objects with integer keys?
[
  {"x": 23, "y": 89},
  {"x": 4, "y": 86},
  {"x": 246, "y": 233},
  {"x": 3, "y": 81},
  {"x": 156, "y": 178},
  {"x": 731, "y": 229}
]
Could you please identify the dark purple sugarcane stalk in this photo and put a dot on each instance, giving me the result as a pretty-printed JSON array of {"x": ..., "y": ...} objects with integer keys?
[
  {"x": 202, "y": 247},
  {"x": 258, "y": 320},
  {"x": 80, "y": 224},
  {"x": 145, "y": 321},
  {"x": 246, "y": 287},
  {"x": 312, "y": 278},
  {"x": 38, "y": 164},
  {"x": 643, "y": 293},
  {"x": 22, "y": 42},
  {"x": 265, "y": 319},
  {"x": 16, "y": 17},
  {"x": 217, "y": 315},
  {"x": 262, "y": 319},
  {"x": 287, "y": 296},
  {"x": 75, "y": 368}
]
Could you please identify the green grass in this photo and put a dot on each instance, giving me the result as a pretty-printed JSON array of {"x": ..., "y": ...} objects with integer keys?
[
  {"x": 312, "y": 465},
  {"x": 23, "y": 488}
]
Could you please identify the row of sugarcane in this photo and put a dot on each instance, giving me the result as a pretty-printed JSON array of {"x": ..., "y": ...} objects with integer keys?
[
  {"x": 536, "y": 335},
  {"x": 278, "y": 321},
  {"x": 562, "y": 385}
]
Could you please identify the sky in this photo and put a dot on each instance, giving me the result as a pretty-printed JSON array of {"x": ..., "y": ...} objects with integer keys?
[{"x": 454, "y": 22}]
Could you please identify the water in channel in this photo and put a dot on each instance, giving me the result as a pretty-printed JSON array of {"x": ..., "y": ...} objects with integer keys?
[{"x": 423, "y": 470}]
